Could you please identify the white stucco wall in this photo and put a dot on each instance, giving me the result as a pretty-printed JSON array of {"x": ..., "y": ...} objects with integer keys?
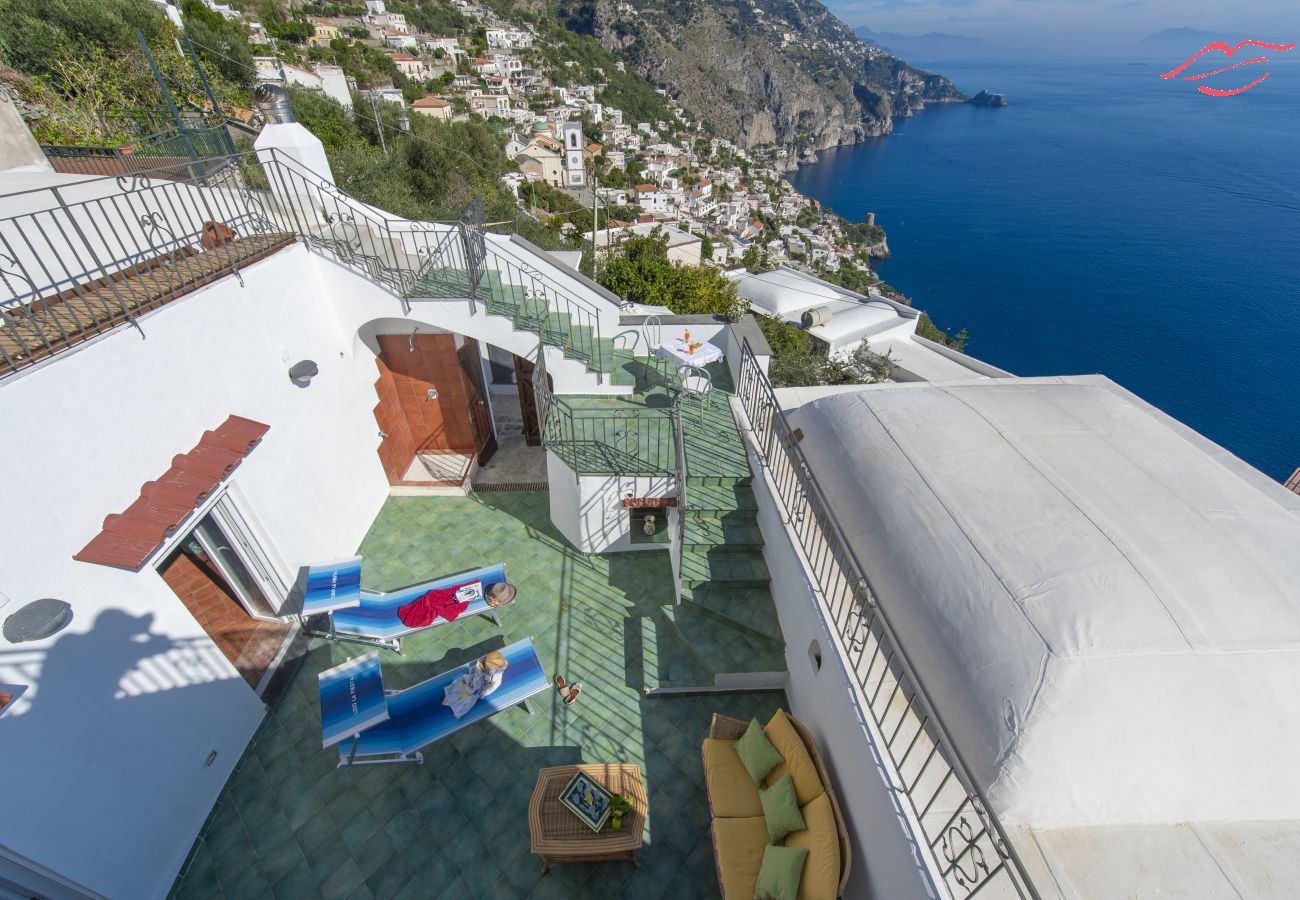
[
  {"x": 586, "y": 510},
  {"x": 887, "y": 859},
  {"x": 125, "y": 705}
]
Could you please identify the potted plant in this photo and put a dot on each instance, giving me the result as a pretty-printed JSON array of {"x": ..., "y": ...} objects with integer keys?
[{"x": 619, "y": 806}]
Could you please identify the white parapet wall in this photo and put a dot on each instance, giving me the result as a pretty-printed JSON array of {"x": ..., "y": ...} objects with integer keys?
[
  {"x": 587, "y": 509},
  {"x": 887, "y": 860}
]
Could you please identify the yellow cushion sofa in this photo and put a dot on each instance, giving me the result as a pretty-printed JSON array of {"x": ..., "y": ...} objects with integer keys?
[{"x": 739, "y": 830}]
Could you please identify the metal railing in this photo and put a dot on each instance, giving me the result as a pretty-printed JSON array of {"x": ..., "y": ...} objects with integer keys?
[
  {"x": 80, "y": 259},
  {"x": 170, "y": 152},
  {"x": 683, "y": 473},
  {"x": 600, "y": 441},
  {"x": 558, "y": 313},
  {"x": 969, "y": 848},
  {"x": 60, "y": 239},
  {"x": 406, "y": 256}
]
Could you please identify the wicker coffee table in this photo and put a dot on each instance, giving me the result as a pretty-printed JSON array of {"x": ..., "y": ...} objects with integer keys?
[{"x": 559, "y": 836}]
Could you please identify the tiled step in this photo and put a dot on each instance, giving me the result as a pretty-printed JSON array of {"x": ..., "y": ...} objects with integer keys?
[
  {"x": 721, "y": 648},
  {"x": 740, "y": 569},
  {"x": 714, "y": 448},
  {"x": 733, "y": 531},
  {"x": 749, "y": 609},
  {"x": 709, "y": 500},
  {"x": 667, "y": 665}
]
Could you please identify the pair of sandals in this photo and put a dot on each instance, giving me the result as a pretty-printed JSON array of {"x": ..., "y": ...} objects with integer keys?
[{"x": 569, "y": 692}]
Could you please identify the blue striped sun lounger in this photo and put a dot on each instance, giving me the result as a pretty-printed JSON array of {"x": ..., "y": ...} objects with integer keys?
[
  {"x": 370, "y": 726},
  {"x": 370, "y": 617}
]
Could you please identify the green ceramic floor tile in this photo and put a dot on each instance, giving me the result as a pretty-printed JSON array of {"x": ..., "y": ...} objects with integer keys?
[{"x": 393, "y": 831}]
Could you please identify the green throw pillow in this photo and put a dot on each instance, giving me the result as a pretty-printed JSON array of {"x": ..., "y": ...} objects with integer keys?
[
  {"x": 757, "y": 752},
  {"x": 781, "y": 809},
  {"x": 778, "y": 877}
]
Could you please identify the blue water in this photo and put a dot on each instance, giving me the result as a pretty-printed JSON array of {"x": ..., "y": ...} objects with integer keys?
[{"x": 1105, "y": 221}]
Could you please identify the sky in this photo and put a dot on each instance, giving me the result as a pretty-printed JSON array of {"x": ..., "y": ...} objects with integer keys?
[{"x": 1072, "y": 24}]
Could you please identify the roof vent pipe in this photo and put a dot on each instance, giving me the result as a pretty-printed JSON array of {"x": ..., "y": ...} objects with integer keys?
[
  {"x": 818, "y": 315},
  {"x": 273, "y": 101}
]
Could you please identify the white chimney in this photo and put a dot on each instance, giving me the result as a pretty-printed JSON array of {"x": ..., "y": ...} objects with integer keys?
[
  {"x": 18, "y": 149},
  {"x": 285, "y": 136}
]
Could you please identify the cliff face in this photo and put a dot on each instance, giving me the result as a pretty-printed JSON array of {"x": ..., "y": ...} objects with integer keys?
[{"x": 783, "y": 72}]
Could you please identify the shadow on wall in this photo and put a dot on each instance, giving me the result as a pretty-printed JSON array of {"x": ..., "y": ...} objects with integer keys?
[{"x": 102, "y": 741}]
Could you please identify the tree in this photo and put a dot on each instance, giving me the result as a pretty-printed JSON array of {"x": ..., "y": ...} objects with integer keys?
[
  {"x": 293, "y": 31},
  {"x": 638, "y": 270},
  {"x": 219, "y": 42},
  {"x": 797, "y": 360},
  {"x": 36, "y": 34},
  {"x": 706, "y": 247}
]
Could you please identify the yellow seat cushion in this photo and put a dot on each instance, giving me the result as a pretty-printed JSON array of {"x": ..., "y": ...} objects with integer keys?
[
  {"x": 807, "y": 785},
  {"x": 732, "y": 792},
  {"x": 739, "y": 844},
  {"x": 821, "y": 870}
]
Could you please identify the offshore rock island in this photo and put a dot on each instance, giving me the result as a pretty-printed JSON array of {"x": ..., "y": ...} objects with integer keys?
[{"x": 985, "y": 98}]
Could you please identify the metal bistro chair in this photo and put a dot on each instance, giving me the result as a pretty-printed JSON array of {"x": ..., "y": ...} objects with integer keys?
[
  {"x": 652, "y": 329},
  {"x": 697, "y": 384}
]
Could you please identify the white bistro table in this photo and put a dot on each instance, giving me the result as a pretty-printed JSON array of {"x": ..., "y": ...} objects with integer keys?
[{"x": 677, "y": 351}]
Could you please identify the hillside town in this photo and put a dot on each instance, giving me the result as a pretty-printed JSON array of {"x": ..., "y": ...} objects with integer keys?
[{"x": 714, "y": 202}]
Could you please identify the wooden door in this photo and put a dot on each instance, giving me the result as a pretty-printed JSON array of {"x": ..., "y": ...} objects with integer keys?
[
  {"x": 528, "y": 400},
  {"x": 480, "y": 416}
]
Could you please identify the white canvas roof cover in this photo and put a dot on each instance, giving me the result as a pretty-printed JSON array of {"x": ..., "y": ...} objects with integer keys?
[
  {"x": 1105, "y": 607},
  {"x": 785, "y": 293},
  {"x": 1109, "y": 613},
  {"x": 921, "y": 362},
  {"x": 850, "y": 324}
]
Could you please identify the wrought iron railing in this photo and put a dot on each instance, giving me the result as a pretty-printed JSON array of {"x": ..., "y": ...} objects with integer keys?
[
  {"x": 80, "y": 259},
  {"x": 602, "y": 441},
  {"x": 59, "y": 239},
  {"x": 969, "y": 848},
  {"x": 555, "y": 310},
  {"x": 682, "y": 476},
  {"x": 171, "y": 152},
  {"x": 406, "y": 256}
]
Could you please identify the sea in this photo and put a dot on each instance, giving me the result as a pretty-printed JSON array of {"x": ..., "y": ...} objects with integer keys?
[{"x": 1106, "y": 220}]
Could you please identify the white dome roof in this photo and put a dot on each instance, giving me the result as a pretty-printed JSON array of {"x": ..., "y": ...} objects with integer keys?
[
  {"x": 785, "y": 293},
  {"x": 1104, "y": 605}
]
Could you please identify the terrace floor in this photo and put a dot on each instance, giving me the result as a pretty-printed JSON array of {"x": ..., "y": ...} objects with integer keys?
[{"x": 290, "y": 824}]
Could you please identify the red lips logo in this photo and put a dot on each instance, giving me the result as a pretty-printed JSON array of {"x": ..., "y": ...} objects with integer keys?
[{"x": 1223, "y": 48}]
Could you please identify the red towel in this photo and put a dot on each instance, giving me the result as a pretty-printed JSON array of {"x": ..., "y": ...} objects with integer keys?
[{"x": 437, "y": 602}]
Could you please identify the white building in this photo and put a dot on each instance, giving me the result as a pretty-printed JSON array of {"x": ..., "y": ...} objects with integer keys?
[
  {"x": 400, "y": 40},
  {"x": 329, "y": 80},
  {"x": 575, "y": 172},
  {"x": 488, "y": 105},
  {"x": 434, "y": 107},
  {"x": 514, "y": 146},
  {"x": 508, "y": 39},
  {"x": 411, "y": 66},
  {"x": 448, "y": 45},
  {"x": 507, "y": 64},
  {"x": 684, "y": 248},
  {"x": 652, "y": 198}
]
